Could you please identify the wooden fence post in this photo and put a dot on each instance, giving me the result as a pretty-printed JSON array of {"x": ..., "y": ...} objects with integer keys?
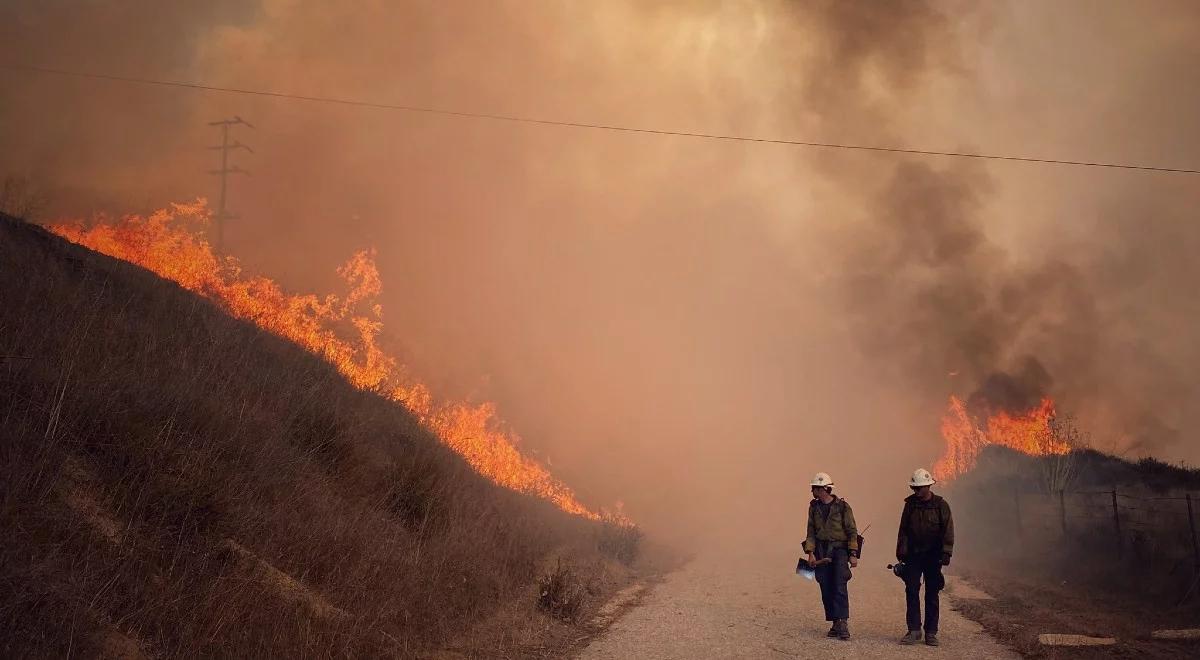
[
  {"x": 1117, "y": 524},
  {"x": 1020, "y": 526},
  {"x": 1062, "y": 509},
  {"x": 1192, "y": 526}
]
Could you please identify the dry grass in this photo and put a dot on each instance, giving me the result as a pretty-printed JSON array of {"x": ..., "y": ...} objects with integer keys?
[
  {"x": 561, "y": 593},
  {"x": 1152, "y": 558},
  {"x": 188, "y": 485},
  {"x": 21, "y": 197},
  {"x": 1024, "y": 608}
]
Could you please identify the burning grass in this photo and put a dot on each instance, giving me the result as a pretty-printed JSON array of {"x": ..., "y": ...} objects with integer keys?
[
  {"x": 1030, "y": 431},
  {"x": 189, "y": 484},
  {"x": 170, "y": 243}
]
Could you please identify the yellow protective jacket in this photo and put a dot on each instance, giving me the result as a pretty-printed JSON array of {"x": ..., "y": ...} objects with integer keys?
[{"x": 838, "y": 528}]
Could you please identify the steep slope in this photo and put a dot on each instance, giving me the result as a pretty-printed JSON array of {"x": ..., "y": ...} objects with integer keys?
[
  {"x": 343, "y": 329},
  {"x": 174, "y": 481}
]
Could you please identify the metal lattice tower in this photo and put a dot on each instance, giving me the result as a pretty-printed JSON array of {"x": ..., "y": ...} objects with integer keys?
[{"x": 225, "y": 147}]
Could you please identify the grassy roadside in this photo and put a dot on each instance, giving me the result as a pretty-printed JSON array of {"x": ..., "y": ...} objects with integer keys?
[
  {"x": 1028, "y": 603},
  {"x": 605, "y": 594},
  {"x": 1040, "y": 534},
  {"x": 175, "y": 482}
]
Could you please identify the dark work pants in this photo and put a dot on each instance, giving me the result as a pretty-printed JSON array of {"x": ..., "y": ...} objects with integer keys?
[
  {"x": 833, "y": 577},
  {"x": 929, "y": 567}
]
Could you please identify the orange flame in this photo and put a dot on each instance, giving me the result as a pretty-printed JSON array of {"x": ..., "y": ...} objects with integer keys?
[
  {"x": 1031, "y": 432},
  {"x": 164, "y": 244}
]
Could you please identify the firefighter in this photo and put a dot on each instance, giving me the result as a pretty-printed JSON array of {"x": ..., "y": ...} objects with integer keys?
[
  {"x": 833, "y": 535},
  {"x": 924, "y": 545}
]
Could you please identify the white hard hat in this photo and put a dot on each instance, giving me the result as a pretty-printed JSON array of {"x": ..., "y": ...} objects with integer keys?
[
  {"x": 921, "y": 477},
  {"x": 822, "y": 479}
]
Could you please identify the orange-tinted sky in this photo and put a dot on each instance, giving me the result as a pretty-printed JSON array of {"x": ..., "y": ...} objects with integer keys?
[{"x": 693, "y": 326}]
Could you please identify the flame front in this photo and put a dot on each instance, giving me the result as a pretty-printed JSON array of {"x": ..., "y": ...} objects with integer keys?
[
  {"x": 164, "y": 244},
  {"x": 1031, "y": 431}
]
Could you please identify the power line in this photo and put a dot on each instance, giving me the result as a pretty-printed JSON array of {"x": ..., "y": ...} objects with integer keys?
[{"x": 600, "y": 127}]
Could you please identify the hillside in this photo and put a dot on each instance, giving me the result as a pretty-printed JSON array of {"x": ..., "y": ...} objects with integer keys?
[
  {"x": 1097, "y": 513},
  {"x": 1084, "y": 469},
  {"x": 1073, "y": 543},
  {"x": 178, "y": 482}
]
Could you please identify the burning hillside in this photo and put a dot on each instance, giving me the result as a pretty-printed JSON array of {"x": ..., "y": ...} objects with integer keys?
[
  {"x": 1030, "y": 431},
  {"x": 342, "y": 330},
  {"x": 1011, "y": 410},
  {"x": 180, "y": 483}
]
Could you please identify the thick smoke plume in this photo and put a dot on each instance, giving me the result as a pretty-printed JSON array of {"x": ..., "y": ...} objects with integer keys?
[
  {"x": 943, "y": 306},
  {"x": 691, "y": 326}
]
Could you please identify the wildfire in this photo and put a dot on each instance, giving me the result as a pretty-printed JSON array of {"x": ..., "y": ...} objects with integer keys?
[
  {"x": 169, "y": 243},
  {"x": 1031, "y": 432}
]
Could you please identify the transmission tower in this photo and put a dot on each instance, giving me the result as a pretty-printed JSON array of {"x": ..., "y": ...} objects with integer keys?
[{"x": 225, "y": 147}]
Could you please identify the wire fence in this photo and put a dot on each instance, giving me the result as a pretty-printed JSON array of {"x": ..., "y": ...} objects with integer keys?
[{"x": 1135, "y": 521}]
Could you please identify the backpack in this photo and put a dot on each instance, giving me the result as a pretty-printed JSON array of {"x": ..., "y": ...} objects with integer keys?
[{"x": 859, "y": 537}]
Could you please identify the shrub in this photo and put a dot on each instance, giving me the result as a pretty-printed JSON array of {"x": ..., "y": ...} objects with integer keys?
[{"x": 560, "y": 593}]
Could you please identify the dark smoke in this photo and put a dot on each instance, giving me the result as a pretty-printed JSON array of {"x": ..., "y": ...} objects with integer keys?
[
  {"x": 920, "y": 276},
  {"x": 1019, "y": 391},
  {"x": 945, "y": 308},
  {"x": 686, "y": 325}
]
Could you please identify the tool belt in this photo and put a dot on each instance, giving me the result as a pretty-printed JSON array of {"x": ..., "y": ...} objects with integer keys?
[{"x": 825, "y": 548}]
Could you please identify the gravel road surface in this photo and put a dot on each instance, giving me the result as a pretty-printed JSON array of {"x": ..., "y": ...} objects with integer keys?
[{"x": 722, "y": 605}]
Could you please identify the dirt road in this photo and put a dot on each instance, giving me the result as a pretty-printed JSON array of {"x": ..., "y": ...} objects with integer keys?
[{"x": 744, "y": 606}]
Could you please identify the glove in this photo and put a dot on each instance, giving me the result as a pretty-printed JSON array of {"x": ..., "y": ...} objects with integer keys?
[{"x": 945, "y": 559}]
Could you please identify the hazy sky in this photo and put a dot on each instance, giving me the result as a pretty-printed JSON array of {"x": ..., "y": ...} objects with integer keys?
[{"x": 693, "y": 326}]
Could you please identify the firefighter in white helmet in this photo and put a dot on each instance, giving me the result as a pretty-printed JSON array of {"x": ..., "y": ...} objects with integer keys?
[
  {"x": 923, "y": 546},
  {"x": 832, "y": 535}
]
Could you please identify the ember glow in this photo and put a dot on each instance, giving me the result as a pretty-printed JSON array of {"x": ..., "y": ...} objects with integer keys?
[
  {"x": 170, "y": 242},
  {"x": 1030, "y": 431}
]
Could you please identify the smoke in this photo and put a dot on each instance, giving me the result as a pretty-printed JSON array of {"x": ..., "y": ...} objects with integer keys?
[
  {"x": 1015, "y": 392},
  {"x": 96, "y": 144},
  {"x": 1090, "y": 311},
  {"x": 946, "y": 309},
  {"x": 690, "y": 326}
]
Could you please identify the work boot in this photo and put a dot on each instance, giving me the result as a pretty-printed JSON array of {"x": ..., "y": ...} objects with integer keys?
[
  {"x": 843, "y": 630},
  {"x": 912, "y": 637},
  {"x": 931, "y": 639},
  {"x": 833, "y": 630}
]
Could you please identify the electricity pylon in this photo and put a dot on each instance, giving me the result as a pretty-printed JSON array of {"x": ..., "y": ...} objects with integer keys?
[{"x": 225, "y": 147}]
